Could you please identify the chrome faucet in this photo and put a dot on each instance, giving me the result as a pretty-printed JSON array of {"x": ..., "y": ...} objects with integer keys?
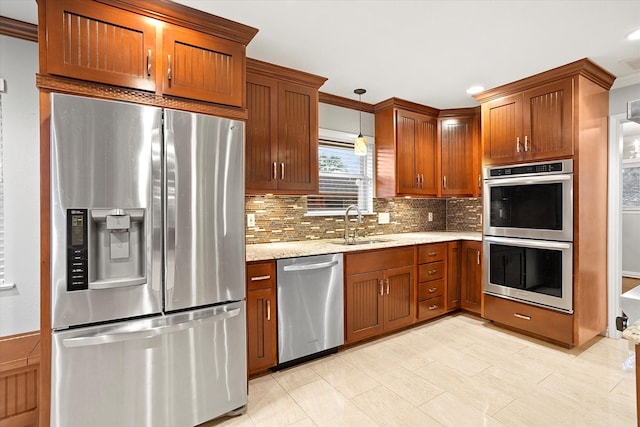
[{"x": 346, "y": 223}]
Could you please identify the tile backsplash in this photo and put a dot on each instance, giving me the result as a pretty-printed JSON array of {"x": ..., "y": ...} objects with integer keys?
[{"x": 283, "y": 218}]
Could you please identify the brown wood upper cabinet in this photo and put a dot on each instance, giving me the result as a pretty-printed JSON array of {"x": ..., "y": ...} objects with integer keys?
[
  {"x": 535, "y": 124},
  {"x": 421, "y": 151},
  {"x": 119, "y": 44},
  {"x": 282, "y": 130}
]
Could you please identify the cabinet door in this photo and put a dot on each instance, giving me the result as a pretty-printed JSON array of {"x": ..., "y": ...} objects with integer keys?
[
  {"x": 457, "y": 147},
  {"x": 407, "y": 179},
  {"x": 297, "y": 165},
  {"x": 261, "y": 152},
  {"x": 548, "y": 117},
  {"x": 99, "y": 43},
  {"x": 427, "y": 165},
  {"x": 201, "y": 66},
  {"x": 471, "y": 289},
  {"x": 454, "y": 275},
  {"x": 502, "y": 130},
  {"x": 261, "y": 330},
  {"x": 364, "y": 295},
  {"x": 399, "y": 301}
]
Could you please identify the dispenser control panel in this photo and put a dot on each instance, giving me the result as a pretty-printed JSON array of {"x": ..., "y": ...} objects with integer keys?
[{"x": 77, "y": 250}]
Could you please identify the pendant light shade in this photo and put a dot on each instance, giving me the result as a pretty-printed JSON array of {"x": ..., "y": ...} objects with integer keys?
[{"x": 360, "y": 144}]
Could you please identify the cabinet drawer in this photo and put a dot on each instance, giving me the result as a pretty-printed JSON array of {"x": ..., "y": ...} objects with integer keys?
[
  {"x": 432, "y": 289},
  {"x": 431, "y": 253},
  {"x": 261, "y": 275},
  {"x": 431, "y": 271},
  {"x": 536, "y": 320},
  {"x": 431, "y": 307},
  {"x": 376, "y": 260}
]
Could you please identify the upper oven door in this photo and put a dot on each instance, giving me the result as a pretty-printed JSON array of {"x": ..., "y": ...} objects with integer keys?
[{"x": 535, "y": 207}]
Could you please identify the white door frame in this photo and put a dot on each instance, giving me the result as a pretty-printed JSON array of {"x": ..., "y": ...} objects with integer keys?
[{"x": 614, "y": 219}]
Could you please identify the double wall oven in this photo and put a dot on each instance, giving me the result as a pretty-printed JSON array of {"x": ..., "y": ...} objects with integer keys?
[{"x": 528, "y": 233}]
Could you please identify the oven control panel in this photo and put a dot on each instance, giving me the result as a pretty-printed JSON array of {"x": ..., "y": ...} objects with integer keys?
[{"x": 561, "y": 166}]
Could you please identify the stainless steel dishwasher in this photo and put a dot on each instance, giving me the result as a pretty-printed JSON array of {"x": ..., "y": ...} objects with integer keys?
[{"x": 310, "y": 307}]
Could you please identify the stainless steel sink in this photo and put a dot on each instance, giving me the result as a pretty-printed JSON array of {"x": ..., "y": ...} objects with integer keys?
[{"x": 361, "y": 242}]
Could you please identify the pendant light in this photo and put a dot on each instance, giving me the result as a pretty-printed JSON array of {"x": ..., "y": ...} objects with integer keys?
[{"x": 360, "y": 144}]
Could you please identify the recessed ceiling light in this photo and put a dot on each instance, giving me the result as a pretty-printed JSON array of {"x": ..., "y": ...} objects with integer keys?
[
  {"x": 634, "y": 35},
  {"x": 475, "y": 89}
]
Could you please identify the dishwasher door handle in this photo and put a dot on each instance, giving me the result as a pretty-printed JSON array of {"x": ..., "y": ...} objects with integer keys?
[{"x": 306, "y": 267}]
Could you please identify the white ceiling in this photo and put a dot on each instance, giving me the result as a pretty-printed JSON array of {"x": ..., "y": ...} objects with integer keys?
[{"x": 426, "y": 51}]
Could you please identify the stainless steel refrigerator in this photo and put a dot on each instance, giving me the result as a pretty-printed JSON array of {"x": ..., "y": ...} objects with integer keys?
[{"x": 147, "y": 268}]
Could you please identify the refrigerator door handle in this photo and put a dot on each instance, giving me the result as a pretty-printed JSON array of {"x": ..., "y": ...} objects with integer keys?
[
  {"x": 94, "y": 340},
  {"x": 304, "y": 267},
  {"x": 169, "y": 208}
]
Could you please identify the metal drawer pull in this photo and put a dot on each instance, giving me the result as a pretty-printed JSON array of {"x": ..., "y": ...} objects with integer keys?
[
  {"x": 433, "y": 307},
  {"x": 149, "y": 62},
  {"x": 432, "y": 290},
  {"x": 432, "y": 271},
  {"x": 169, "y": 67},
  {"x": 258, "y": 278},
  {"x": 433, "y": 253},
  {"x": 268, "y": 310},
  {"x": 521, "y": 316}
]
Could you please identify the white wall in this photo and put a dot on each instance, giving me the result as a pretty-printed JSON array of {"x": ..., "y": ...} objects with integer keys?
[
  {"x": 20, "y": 307},
  {"x": 345, "y": 119}
]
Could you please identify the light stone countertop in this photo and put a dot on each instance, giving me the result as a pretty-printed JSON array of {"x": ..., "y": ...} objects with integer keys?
[
  {"x": 278, "y": 250},
  {"x": 632, "y": 333}
]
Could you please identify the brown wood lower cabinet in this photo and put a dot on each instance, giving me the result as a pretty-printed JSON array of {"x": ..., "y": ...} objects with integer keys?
[
  {"x": 535, "y": 320},
  {"x": 471, "y": 280},
  {"x": 454, "y": 275},
  {"x": 261, "y": 317},
  {"x": 432, "y": 280},
  {"x": 19, "y": 379},
  {"x": 379, "y": 292}
]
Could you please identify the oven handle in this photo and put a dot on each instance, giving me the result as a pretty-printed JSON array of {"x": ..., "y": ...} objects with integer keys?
[
  {"x": 529, "y": 179},
  {"x": 542, "y": 244}
]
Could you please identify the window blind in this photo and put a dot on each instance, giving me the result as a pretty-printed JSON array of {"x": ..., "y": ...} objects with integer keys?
[{"x": 344, "y": 179}]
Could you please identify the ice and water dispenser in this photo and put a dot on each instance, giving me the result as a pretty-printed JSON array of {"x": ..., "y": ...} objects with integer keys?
[{"x": 105, "y": 248}]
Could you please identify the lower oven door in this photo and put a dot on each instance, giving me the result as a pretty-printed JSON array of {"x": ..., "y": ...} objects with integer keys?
[{"x": 537, "y": 272}]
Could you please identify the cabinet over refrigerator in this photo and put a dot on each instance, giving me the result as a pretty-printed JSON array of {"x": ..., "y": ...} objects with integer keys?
[{"x": 147, "y": 265}]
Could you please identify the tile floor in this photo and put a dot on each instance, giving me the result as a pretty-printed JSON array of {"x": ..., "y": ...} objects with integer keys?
[{"x": 456, "y": 371}]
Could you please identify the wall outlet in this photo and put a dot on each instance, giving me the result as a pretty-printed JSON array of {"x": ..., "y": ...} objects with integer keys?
[
  {"x": 430, "y": 216},
  {"x": 383, "y": 217},
  {"x": 251, "y": 220}
]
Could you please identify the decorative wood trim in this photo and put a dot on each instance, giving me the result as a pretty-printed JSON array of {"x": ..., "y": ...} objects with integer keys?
[
  {"x": 339, "y": 101},
  {"x": 96, "y": 90},
  {"x": 18, "y": 29},
  {"x": 459, "y": 112},
  {"x": 290, "y": 75},
  {"x": 406, "y": 106},
  {"x": 583, "y": 67},
  {"x": 16, "y": 350},
  {"x": 184, "y": 16}
]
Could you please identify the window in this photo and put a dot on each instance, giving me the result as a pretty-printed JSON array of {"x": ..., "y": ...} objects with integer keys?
[
  {"x": 345, "y": 179},
  {"x": 1, "y": 203},
  {"x": 631, "y": 168}
]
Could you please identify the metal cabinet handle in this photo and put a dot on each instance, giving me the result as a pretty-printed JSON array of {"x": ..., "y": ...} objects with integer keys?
[
  {"x": 517, "y": 144},
  {"x": 417, "y": 180},
  {"x": 268, "y": 310},
  {"x": 281, "y": 170},
  {"x": 169, "y": 67},
  {"x": 307, "y": 267},
  {"x": 526, "y": 143},
  {"x": 433, "y": 253},
  {"x": 259, "y": 278},
  {"x": 421, "y": 180},
  {"x": 433, "y": 307},
  {"x": 7, "y": 286},
  {"x": 149, "y": 62},
  {"x": 444, "y": 182},
  {"x": 432, "y": 290},
  {"x": 521, "y": 316},
  {"x": 275, "y": 170},
  {"x": 387, "y": 286},
  {"x": 432, "y": 271},
  {"x": 479, "y": 181},
  {"x": 478, "y": 256},
  {"x": 381, "y": 287}
]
